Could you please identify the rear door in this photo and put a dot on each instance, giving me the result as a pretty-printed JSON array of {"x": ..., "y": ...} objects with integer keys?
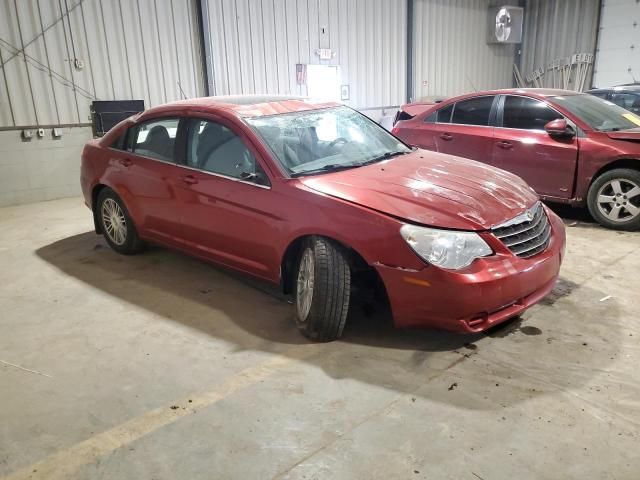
[
  {"x": 147, "y": 175},
  {"x": 465, "y": 128},
  {"x": 522, "y": 146}
]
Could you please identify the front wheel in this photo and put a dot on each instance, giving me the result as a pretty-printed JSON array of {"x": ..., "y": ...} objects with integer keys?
[
  {"x": 614, "y": 199},
  {"x": 323, "y": 288}
]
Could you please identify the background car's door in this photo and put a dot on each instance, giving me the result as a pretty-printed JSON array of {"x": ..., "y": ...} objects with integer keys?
[
  {"x": 522, "y": 146},
  {"x": 147, "y": 177},
  {"x": 464, "y": 129},
  {"x": 226, "y": 201}
]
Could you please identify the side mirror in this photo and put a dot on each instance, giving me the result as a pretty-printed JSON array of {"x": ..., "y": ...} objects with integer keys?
[{"x": 559, "y": 128}]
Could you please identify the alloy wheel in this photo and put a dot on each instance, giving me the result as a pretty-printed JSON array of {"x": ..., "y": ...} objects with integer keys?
[
  {"x": 619, "y": 200},
  {"x": 306, "y": 273},
  {"x": 114, "y": 221}
]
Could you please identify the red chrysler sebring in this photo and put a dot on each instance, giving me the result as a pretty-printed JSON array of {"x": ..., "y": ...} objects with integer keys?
[{"x": 324, "y": 202}]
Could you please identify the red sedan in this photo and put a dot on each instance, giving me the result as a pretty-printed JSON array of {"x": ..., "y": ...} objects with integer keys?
[
  {"x": 570, "y": 147},
  {"x": 324, "y": 202}
]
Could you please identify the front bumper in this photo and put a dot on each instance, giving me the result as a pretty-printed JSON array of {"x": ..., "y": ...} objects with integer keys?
[{"x": 488, "y": 292}]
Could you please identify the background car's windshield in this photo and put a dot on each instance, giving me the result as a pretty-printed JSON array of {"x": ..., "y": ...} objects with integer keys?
[
  {"x": 599, "y": 114},
  {"x": 321, "y": 140}
]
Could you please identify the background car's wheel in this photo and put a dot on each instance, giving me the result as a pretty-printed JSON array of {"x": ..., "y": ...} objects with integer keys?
[
  {"x": 117, "y": 226},
  {"x": 323, "y": 287},
  {"x": 614, "y": 199}
]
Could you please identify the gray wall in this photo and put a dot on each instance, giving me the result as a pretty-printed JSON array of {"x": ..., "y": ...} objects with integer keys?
[
  {"x": 555, "y": 29},
  {"x": 451, "y": 51},
  {"x": 255, "y": 45},
  {"x": 130, "y": 49}
]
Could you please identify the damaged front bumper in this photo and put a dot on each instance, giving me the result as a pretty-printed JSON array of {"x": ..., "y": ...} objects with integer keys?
[{"x": 488, "y": 292}]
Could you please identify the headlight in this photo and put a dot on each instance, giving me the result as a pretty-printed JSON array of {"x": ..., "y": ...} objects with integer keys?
[{"x": 445, "y": 248}]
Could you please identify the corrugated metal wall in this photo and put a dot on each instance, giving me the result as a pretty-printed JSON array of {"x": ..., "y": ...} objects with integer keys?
[
  {"x": 256, "y": 45},
  {"x": 556, "y": 29},
  {"x": 451, "y": 51},
  {"x": 130, "y": 49}
]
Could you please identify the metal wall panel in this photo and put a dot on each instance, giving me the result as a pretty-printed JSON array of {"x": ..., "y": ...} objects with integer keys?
[
  {"x": 256, "y": 45},
  {"x": 451, "y": 51},
  {"x": 618, "y": 53},
  {"x": 556, "y": 29},
  {"x": 130, "y": 49}
]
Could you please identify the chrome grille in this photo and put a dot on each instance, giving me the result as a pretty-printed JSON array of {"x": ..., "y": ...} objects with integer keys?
[{"x": 527, "y": 234}]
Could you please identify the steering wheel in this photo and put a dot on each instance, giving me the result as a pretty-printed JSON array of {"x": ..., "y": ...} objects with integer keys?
[{"x": 338, "y": 140}]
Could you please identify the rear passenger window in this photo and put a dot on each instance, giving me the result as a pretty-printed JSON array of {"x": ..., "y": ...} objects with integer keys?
[
  {"x": 214, "y": 148},
  {"x": 156, "y": 139},
  {"x": 474, "y": 111},
  {"x": 444, "y": 114},
  {"x": 527, "y": 113},
  {"x": 119, "y": 143}
]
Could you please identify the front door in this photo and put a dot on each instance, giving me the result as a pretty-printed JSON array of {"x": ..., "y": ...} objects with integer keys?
[
  {"x": 227, "y": 205},
  {"x": 522, "y": 146}
]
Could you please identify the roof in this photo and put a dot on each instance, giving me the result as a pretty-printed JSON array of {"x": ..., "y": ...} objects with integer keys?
[
  {"x": 536, "y": 92},
  {"x": 245, "y": 105},
  {"x": 619, "y": 88}
]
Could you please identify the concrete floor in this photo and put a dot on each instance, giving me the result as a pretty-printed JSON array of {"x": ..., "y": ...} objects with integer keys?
[{"x": 162, "y": 367}]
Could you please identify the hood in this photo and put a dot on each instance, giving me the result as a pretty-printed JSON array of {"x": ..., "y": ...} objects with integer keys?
[
  {"x": 632, "y": 135},
  {"x": 431, "y": 189}
]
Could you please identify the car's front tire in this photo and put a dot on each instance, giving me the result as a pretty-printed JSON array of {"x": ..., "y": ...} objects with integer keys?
[
  {"x": 614, "y": 199},
  {"x": 116, "y": 223},
  {"x": 323, "y": 289}
]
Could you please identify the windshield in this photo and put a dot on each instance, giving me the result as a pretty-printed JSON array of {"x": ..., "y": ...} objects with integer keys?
[
  {"x": 330, "y": 139},
  {"x": 599, "y": 114}
]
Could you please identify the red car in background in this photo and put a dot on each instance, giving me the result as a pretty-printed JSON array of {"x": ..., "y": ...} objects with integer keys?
[
  {"x": 570, "y": 147},
  {"x": 323, "y": 201}
]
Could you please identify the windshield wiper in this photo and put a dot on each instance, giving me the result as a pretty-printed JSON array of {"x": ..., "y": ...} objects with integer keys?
[
  {"x": 384, "y": 156},
  {"x": 332, "y": 167}
]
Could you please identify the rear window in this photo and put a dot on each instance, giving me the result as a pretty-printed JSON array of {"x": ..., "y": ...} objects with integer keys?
[
  {"x": 156, "y": 139},
  {"x": 474, "y": 111},
  {"x": 119, "y": 143},
  {"x": 444, "y": 114}
]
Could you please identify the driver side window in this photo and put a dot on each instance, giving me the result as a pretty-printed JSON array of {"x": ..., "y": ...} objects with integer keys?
[
  {"x": 526, "y": 113},
  {"x": 214, "y": 148}
]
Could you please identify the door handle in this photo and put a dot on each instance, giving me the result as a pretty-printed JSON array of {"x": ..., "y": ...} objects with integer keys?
[
  {"x": 125, "y": 162},
  {"x": 446, "y": 136},
  {"x": 189, "y": 179},
  {"x": 505, "y": 145}
]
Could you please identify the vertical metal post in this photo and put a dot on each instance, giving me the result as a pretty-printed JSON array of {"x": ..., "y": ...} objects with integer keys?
[
  {"x": 6, "y": 84},
  {"x": 205, "y": 41},
  {"x": 409, "y": 50}
]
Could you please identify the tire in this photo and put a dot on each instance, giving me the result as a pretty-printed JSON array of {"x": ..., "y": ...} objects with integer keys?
[
  {"x": 116, "y": 223},
  {"x": 614, "y": 199},
  {"x": 323, "y": 289}
]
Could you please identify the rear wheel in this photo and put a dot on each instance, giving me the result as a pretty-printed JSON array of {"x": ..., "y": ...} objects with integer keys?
[
  {"x": 323, "y": 288},
  {"x": 116, "y": 224},
  {"x": 614, "y": 199}
]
